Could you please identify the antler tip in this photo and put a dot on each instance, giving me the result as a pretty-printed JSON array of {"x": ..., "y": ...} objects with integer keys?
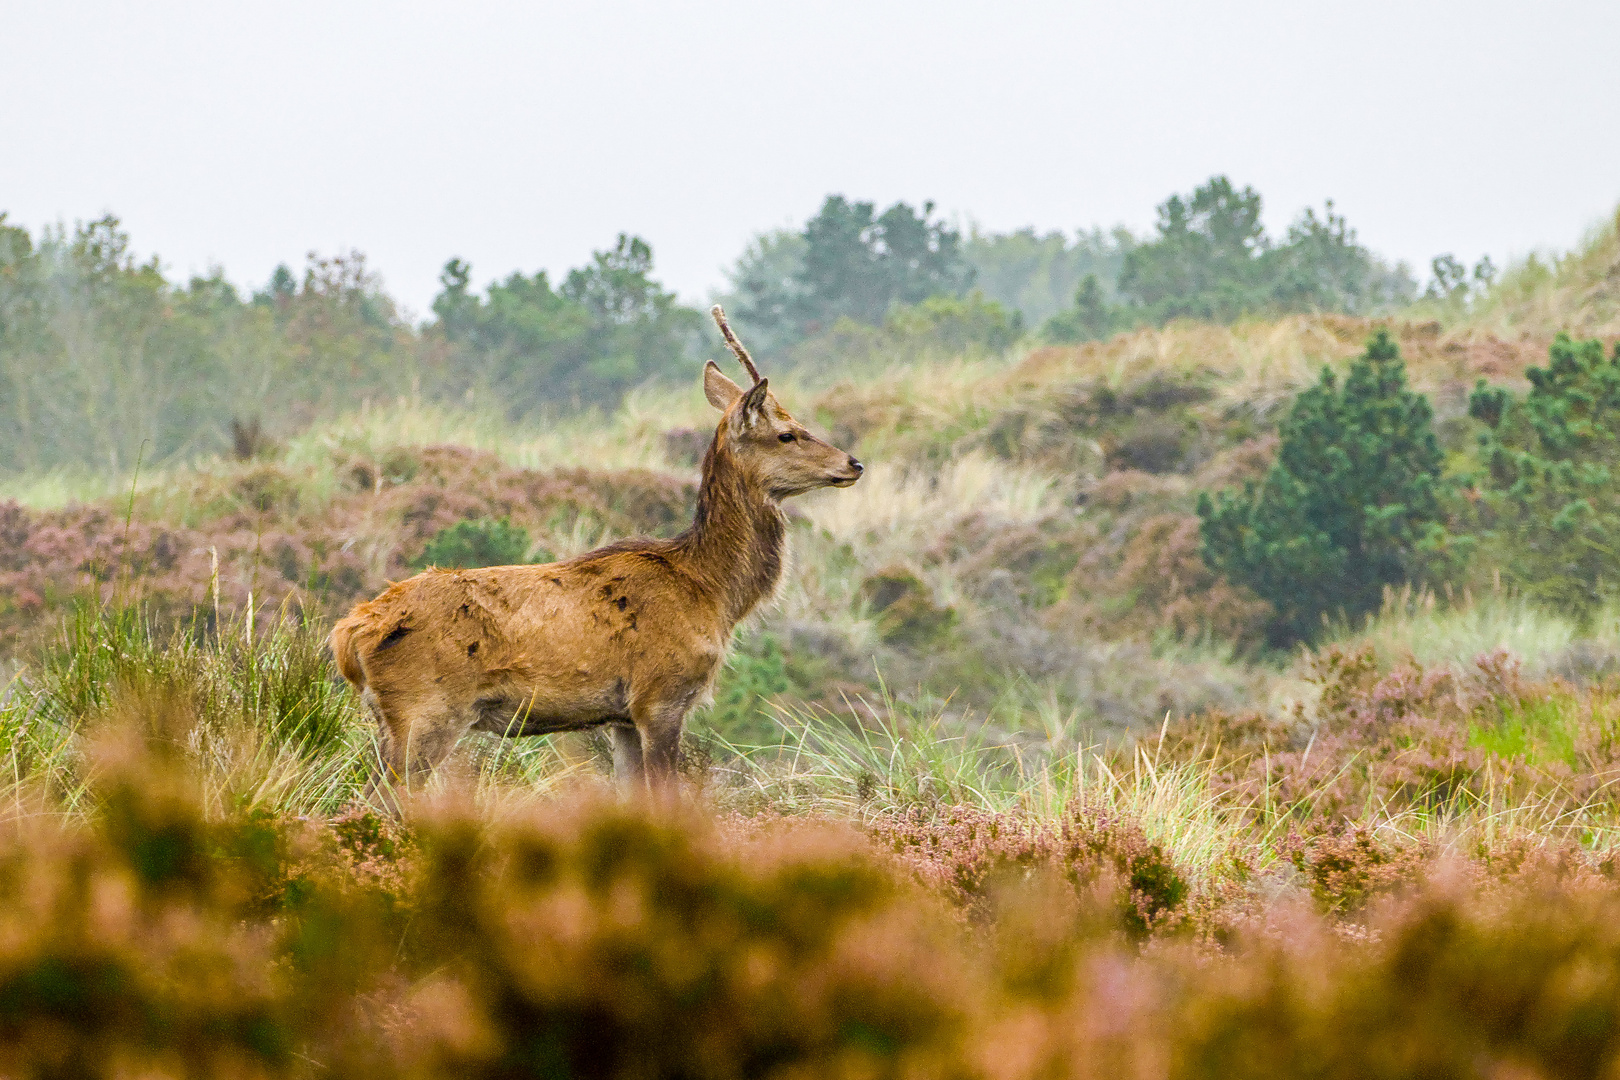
[{"x": 732, "y": 343}]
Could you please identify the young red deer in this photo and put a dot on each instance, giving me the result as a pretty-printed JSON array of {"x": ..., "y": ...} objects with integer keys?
[{"x": 629, "y": 636}]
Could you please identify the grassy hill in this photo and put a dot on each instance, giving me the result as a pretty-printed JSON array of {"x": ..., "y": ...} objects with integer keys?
[{"x": 1023, "y": 546}]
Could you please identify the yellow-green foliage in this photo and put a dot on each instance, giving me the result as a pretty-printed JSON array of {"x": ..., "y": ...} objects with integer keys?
[{"x": 1577, "y": 292}]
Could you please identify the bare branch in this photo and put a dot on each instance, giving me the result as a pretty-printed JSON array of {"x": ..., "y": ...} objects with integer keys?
[{"x": 732, "y": 343}]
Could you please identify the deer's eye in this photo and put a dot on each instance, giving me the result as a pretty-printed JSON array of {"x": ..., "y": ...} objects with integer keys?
[{"x": 786, "y": 436}]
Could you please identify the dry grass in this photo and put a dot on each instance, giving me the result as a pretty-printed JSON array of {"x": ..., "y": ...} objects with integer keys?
[{"x": 1577, "y": 292}]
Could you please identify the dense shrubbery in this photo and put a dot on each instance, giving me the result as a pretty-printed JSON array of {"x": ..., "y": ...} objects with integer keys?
[
  {"x": 1551, "y": 501},
  {"x": 319, "y": 537},
  {"x": 1348, "y": 507},
  {"x": 103, "y": 361},
  {"x": 479, "y": 542},
  {"x": 756, "y": 673},
  {"x": 1210, "y": 259},
  {"x": 157, "y": 936}
]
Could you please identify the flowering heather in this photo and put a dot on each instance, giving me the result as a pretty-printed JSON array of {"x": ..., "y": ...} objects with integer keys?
[
  {"x": 1436, "y": 740},
  {"x": 275, "y": 533},
  {"x": 586, "y": 937}
]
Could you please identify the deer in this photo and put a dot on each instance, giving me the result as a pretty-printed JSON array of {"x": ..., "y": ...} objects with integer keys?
[{"x": 629, "y": 637}]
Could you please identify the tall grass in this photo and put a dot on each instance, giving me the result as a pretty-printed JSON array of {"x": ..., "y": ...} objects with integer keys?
[
  {"x": 257, "y": 713},
  {"x": 1418, "y": 624},
  {"x": 1575, "y": 291},
  {"x": 900, "y": 760}
]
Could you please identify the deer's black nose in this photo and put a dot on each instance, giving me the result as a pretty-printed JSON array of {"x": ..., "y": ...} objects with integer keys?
[{"x": 856, "y": 465}]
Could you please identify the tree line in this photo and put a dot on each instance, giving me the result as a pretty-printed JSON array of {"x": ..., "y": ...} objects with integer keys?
[{"x": 104, "y": 360}]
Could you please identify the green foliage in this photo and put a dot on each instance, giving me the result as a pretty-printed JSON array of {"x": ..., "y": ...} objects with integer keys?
[
  {"x": 111, "y": 660},
  {"x": 478, "y": 542},
  {"x": 764, "y": 289},
  {"x": 1349, "y": 506},
  {"x": 1204, "y": 264},
  {"x": 1037, "y": 275},
  {"x": 755, "y": 672},
  {"x": 904, "y": 609},
  {"x": 1091, "y": 318},
  {"x": 1534, "y": 731},
  {"x": 1321, "y": 267},
  {"x": 1212, "y": 260},
  {"x": 103, "y": 360},
  {"x": 954, "y": 326},
  {"x": 940, "y": 327},
  {"x": 1452, "y": 284},
  {"x": 609, "y": 327},
  {"x": 1551, "y": 505},
  {"x": 849, "y": 262}
]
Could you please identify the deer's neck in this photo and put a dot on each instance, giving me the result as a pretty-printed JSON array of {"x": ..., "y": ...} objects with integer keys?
[{"x": 738, "y": 539}]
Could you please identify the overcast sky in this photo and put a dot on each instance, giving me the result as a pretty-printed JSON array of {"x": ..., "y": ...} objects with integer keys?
[{"x": 522, "y": 136}]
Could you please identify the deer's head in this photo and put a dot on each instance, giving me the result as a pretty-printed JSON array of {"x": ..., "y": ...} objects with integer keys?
[{"x": 772, "y": 448}]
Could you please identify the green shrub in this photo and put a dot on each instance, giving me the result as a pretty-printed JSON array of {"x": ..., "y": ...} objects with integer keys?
[
  {"x": 1349, "y": 507},
  {"x": 1552, "y": 509},
  {"x": 954, "y": 325},
  {"x": 905, "y": 609},
  {"x": 755, "y": 672},
  {"x": 1091, "y": 318},
  {"x": 478, "y": 542}
]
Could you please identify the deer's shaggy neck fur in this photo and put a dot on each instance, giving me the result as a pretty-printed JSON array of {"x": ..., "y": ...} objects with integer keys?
[{"x": 738, "y": 537}]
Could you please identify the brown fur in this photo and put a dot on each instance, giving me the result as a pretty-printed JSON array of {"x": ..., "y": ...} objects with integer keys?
[{"x": 629, "y": 636}]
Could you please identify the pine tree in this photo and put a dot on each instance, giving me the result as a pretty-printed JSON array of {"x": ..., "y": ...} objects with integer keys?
[
  {"x": 1347, "y": 509},
  {"x": 1551, "y": 506}
]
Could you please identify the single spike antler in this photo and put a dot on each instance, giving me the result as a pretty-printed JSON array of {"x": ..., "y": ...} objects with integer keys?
[{"x": 732, "y": 343}]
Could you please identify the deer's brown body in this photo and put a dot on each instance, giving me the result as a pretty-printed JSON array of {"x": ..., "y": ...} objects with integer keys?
[{"x": 629, "y": 637}]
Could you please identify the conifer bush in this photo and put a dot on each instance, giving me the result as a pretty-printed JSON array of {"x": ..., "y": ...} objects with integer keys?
[
  {"x": 1551, "y": 504},
  {"x": 755, "y": 672},
  {"x": 1350, "y": 506},
  {"x": 478, "y": 542}
]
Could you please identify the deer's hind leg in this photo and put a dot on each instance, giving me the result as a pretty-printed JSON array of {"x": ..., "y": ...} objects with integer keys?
[
  {"x": 659, "y": 725},
  {"x": 628, "y": 766}
]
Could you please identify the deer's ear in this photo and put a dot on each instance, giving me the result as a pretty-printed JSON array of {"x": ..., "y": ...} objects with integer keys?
[
  {"x": 720, "y": 390},
  {"x": 751, "y": 409}
]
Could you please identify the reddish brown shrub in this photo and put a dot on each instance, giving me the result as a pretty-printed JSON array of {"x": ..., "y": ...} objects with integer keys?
[
  {"x": 966, "y": 853},
  {"x": 1162, "y": 584},
  {"x": 276, "y": 540},
  {"x": 1349, "y": 865}
]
